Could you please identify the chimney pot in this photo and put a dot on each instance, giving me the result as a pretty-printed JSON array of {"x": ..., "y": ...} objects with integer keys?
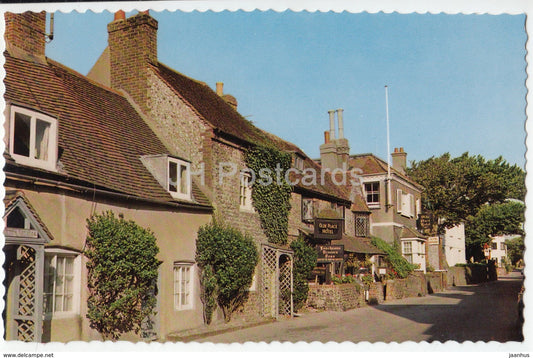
[
  {"x": 331, "y": 124},
  {"x": 341, "y": 122},
  {"x": 326, "y": 137},
  {"x": 120, "y": 15},
  {"x": 401, "y": 149},
  {"x": 220, "y": 88}
]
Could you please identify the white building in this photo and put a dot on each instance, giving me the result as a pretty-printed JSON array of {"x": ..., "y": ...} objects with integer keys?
[
  {"x": 498, "y": 248},
  {"x": 454, "y": 245}
]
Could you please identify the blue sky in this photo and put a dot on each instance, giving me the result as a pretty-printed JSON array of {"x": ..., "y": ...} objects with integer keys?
[{"x": 456, "y": 82}]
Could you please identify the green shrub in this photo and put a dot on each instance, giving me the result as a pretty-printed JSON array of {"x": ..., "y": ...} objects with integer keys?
[
  {"x": 401, "y": 267},
  {"x": 227, "y": 260},
  {"x": 304, "y": 261},
  {"x": 122, "y": 274}
]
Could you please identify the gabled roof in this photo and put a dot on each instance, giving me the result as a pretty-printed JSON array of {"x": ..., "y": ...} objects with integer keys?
[
  {"x": 16, "y": 198},
  {"x": 370, "y": 164},
  {"x": 101, "y": 137}
]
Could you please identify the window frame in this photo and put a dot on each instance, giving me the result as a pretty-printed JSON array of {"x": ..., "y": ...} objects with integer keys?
[
  {"x": 179, "y": 163},
  {"x": 373, "y": 192},
  {"x": 245, "y": 192},
  {"x": 30, "y": 160},
  {"x": 366, "y": 229},
  {"x": 178, "y": 305},
  {"x": 54, "y": 254}
]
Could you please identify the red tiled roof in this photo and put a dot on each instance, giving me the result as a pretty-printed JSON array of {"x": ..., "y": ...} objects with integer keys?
[
  {"x": 370, "y": 164},
  {"x": 211, "y": 106},
  {"x": 222, "y": 116},
  {"x": 100, "y": 135}
]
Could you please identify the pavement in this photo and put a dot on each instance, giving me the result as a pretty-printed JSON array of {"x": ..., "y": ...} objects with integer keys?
[{"x": 483, "y": 312}]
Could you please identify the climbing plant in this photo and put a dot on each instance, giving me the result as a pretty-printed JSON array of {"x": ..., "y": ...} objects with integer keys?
[
  {"x": 271, "y": 193},
  {"x": 122, "y": 272},
  {"x": 402, "y": 268},
  {"x": 304, "y": 261},
  {"x": 227, "y": 260}
]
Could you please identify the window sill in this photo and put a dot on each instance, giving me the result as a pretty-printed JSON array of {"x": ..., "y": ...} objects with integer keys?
[
  {"x": 247, "y": 210},
  {"x": 183, "y": 309}
]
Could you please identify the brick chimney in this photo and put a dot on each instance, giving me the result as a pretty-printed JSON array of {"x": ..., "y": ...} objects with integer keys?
[
  {"x": 132, "y": 46},
  {"x": 335, "y": 151},
  {"x": 399, "y": 160},
  {"x": 25, "y": 35}
]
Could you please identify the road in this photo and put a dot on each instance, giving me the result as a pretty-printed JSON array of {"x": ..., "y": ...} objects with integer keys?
[{"x": 483, "y": 312}]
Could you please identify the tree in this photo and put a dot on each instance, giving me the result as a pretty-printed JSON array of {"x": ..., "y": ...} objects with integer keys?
[
  {"x": 456, "y": 188},
  {"x": 304, "y": 261},
  {"x": 515, "y": 249},
  {"x": 492, "y": 220},
  {"x": 227, "y": 259},
  {"x": 122, "y": 274}
]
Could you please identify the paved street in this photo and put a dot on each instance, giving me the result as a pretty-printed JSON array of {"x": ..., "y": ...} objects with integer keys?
[{"x": 478, "y": 313}]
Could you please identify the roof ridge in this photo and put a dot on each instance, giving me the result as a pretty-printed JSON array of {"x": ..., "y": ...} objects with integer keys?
[{"x": 78, "y": 74}]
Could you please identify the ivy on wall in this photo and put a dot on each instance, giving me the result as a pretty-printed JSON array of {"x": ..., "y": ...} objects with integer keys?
[
  {"x": 402, "y": 268},
  {"x": 271, "y": 193}
]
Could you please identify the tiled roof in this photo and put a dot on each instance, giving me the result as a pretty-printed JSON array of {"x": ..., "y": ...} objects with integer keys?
[
  {"x": 222, "y": 116},
  {"x": 100, "y": 135},
  {"x": 211, "y": 106},
  {"x": 409, "y": 233},
  {"x": 358, "y": 245},
  {"x": 370, "y": 164}
]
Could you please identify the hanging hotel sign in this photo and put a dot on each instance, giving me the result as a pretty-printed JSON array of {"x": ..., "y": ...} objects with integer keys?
[
  {"x": 328, "y": 229},
  {"x": 329, "y": 253}
]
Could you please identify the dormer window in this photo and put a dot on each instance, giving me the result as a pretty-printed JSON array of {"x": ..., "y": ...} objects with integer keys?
[
  {"x": 179, "y": 178},
  {"x": 33, "y": 138}
]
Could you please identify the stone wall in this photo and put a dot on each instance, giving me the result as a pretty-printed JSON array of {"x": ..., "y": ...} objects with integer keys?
[
  {"x": 436, "y": 281},
  {"x": 335, "y": 297},
  {"x": 471, "y": 274}
]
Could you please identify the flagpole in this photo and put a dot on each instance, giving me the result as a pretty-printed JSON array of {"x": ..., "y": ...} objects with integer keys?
[{"x": 389, "y": 196}]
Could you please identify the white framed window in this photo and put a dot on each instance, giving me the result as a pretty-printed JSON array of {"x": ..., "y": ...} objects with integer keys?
[
  {"x": 408, "y": 247},
  {"x": 405, "y": 203},
  {"x": 183, "y": 285},
  {"x": 245, "y": 191},
  {"x": 308, "y": 209},
  {"x": 179, "y": 178},
  {"x": 372, "y": 194},
  {"x": 61, "y": 283},
  {"x": 33, "y": 138}
]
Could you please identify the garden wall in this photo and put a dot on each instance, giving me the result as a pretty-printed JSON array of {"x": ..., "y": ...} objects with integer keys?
[
  {"x": 471, "y": 274},
  {"x": 341, "y": 297}
]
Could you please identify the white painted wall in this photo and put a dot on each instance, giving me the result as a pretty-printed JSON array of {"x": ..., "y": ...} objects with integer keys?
[{"x": 454, "y": 245}]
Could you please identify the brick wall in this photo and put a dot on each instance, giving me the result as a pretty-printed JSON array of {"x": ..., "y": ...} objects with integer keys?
[
  {"x": 132, "y": 45},
  {"x": 26, "y": 32}
]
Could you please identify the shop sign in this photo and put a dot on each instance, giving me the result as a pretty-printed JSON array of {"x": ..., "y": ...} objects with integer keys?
[
  {"x": 329, "y": 253},
  {"x": 319, "y": 271},
  {"x": 328, "y": 229},
  {"x": 434, "y": 240}
]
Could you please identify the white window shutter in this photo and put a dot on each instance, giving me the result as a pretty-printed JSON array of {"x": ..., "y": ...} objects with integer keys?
[
  {"x": 399, "y": 200},
  {"x": 418, "y": 207},
  {"x": 412, "y": 205}
]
